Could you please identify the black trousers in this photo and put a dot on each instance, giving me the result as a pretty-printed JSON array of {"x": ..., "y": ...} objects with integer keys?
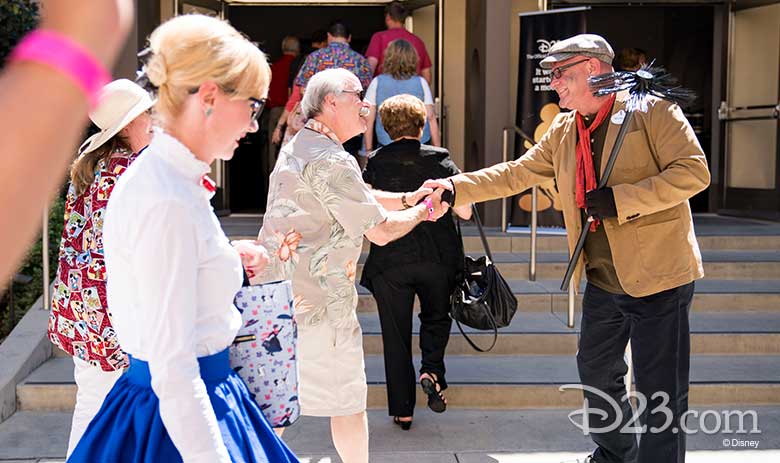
[
  {"x": 657, "y": 326},
  {"x": 394, "y": 291}
]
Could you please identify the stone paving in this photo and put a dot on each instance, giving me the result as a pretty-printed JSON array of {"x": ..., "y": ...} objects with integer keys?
[{"x": 457, "y": 436}]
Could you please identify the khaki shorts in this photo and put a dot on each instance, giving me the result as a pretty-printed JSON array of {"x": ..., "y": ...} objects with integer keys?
[{"x": 331, "y": 370}]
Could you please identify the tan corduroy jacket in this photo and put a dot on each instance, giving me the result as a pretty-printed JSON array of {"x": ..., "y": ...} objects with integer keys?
[{"x": 659, "y": 167}]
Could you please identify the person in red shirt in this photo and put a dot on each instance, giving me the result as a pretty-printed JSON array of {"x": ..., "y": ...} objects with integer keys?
[
  {"x": 395, "y": 15},
  {"x": 319, "y": 40},
  {"x": 278, "y": 91}
]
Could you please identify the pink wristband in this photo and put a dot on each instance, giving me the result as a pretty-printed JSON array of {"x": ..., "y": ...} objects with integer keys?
[
  {"x": 429, "y": 204},
  {"x": 65, "y": 55}
]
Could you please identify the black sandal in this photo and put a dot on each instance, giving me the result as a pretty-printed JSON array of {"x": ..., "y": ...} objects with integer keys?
[
  {"x": 405, "y": 425},
  {"x": 435, "y": 397}
]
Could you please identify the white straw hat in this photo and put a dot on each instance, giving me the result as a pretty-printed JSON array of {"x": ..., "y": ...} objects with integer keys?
[{"x": 119, "y": 103}]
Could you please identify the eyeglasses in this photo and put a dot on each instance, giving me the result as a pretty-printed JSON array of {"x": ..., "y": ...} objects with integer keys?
[
  {"x": 558, "y": 72},
  {"x": 257, "y": 106},
  {"x": 361, "y": 94}
]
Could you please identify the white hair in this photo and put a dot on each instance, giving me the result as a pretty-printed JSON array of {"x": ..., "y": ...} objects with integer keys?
[{"x": 322, "y": 84}]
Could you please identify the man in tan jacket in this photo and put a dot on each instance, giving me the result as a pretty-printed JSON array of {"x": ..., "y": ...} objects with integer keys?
[{"x": 641, "y": 256}]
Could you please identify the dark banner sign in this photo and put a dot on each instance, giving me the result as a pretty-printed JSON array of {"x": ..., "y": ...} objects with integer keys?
[{"x": 537, "y": 103}]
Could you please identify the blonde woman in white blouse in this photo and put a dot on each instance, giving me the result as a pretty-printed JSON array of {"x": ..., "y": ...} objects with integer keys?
[{"x": 172, "y": 272}]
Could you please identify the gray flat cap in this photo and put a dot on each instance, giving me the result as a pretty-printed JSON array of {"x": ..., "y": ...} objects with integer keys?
[{"x": 591, "y": 45}]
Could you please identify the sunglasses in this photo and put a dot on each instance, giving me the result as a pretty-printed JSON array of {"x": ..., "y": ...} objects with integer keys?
[
  {"x": 558, "y": 72},
  {"x": 361, "y": 94}
]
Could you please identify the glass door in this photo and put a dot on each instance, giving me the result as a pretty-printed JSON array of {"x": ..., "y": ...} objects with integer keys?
[{"x": 750, "y": 114}]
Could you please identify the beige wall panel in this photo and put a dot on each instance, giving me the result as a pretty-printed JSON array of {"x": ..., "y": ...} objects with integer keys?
[
  {"x": 754, "y": 81},
  {"x": 167, "y": 9},
  {"x": 126, "y": 63},
  {"x": 425, "y": 28},
  {"x": 454, "y": 76},
  {"x": 497, "y": 78}
]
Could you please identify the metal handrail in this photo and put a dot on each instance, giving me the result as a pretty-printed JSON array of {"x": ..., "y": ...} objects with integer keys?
[
  {"x": 534, "y": 197},
  {"x": 570, "y": 308},
  {"x": 505, "y": 158},
  {"x": 534, "y": 226},
  {"x": 534, "y": 221}
]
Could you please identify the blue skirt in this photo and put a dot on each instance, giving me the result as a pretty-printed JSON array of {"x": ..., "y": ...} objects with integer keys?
[{"x": 128, "y": 427}]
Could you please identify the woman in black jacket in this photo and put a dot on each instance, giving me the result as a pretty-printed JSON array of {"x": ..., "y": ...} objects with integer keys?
[{"x": 422, "y": 263}]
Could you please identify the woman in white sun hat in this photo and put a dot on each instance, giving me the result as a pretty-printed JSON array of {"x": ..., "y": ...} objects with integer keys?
[{"x": 79, "y": 322}]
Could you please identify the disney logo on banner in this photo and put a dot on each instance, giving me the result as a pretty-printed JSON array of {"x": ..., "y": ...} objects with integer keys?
[{"x": 544, "y": 45}]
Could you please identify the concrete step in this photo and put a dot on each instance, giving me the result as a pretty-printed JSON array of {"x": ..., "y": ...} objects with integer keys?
[
  {"x": 556, "y": 242},
  {"x": 459, "y": 435},
  {"x": 521, "y": 382},
  {"x": 747, "y": 333},
  {"x": 540, "y": 333},
  {"x": 721, "y": 265},
  {"x": 491, "y": 382},
  {"x": 712, "y": 295}
]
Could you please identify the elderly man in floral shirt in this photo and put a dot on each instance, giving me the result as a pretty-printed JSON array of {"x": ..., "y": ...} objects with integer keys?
[{"x": 318, "y": 211}]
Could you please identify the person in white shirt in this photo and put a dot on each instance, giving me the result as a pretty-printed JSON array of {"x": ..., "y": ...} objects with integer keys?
[{"x": 172, "y": 273}]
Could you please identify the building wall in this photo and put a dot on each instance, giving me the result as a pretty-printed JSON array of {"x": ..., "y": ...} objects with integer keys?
[
  {"x": 167, "y": 9},
  {"x": 454, "y": 61},
  {"x": 491, "y": 55},
  {"x": 126, "y": 63}
]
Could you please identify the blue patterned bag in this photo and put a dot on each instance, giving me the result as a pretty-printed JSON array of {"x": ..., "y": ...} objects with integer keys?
[{"x": 264, "y": 354}]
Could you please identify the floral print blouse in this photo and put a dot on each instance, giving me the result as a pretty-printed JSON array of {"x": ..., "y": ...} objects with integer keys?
[{"x": 318, "y": 210}]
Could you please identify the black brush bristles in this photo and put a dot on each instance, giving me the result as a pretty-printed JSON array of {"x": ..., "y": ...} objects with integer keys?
[{"x": 648, "y": 80}]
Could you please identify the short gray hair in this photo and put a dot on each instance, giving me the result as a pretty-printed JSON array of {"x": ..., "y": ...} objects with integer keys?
[
  {"x": 290, "y": 44},
  {"x": 322, "y": 84}
]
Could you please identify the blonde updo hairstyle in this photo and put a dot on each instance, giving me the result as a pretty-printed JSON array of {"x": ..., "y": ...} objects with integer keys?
[{"x": 189, "y": 50}]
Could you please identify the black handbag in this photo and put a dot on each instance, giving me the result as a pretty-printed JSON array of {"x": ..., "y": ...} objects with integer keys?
[{"x": 482, "y": 298}]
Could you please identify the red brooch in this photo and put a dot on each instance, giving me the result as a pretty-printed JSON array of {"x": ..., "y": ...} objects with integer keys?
[{"x": 208, "y": 183}]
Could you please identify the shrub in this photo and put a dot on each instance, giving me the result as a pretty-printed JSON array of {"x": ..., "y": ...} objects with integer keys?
[
  {"x": 17, "y": 17},
  {"x": 25, "y": 295}
]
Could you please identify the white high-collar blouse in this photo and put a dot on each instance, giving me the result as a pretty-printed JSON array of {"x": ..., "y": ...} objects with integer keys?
[{"x": 171, "y": 279}]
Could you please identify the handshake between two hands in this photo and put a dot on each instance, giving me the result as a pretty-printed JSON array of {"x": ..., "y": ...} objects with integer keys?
[
  {"x": 254, "y": 256},
  {"x": 440, "y": 194}
]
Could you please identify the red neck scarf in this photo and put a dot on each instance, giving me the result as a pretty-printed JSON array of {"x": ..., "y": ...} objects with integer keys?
[{"x": 586, "y": 172}]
